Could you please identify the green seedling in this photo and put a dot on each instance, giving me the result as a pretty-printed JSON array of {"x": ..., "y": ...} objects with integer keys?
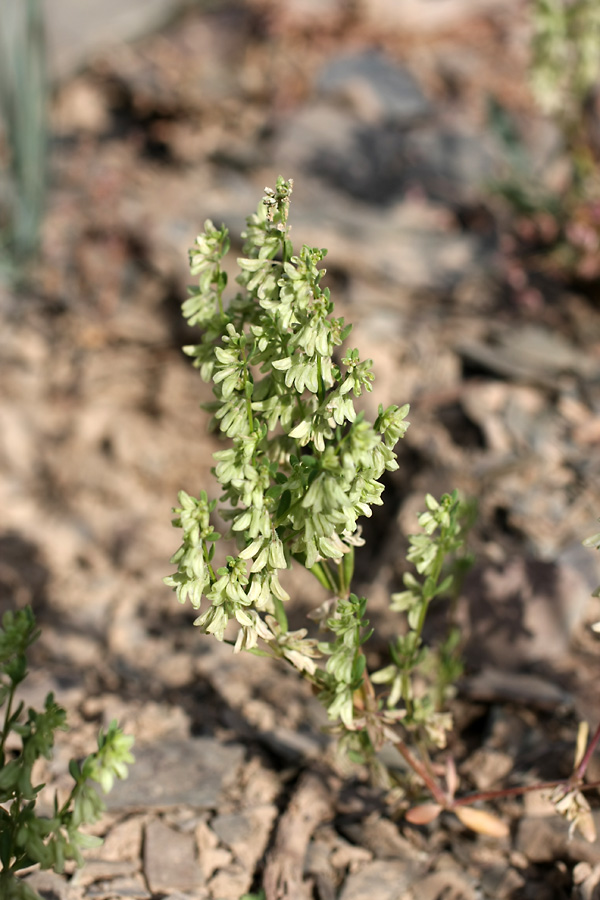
[{"x": 26, "y": 838}]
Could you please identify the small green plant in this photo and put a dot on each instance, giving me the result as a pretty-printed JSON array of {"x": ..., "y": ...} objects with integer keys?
[
  {"x": 27, "y": 839},
  {"x": 556, "y": 230},
  {"x": 301, "y": 468},
  {"x": 565, "y": 61}
]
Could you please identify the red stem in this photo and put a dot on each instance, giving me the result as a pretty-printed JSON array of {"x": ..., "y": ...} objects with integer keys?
[
  {"x": 568, "y": 783},
  {"x": 507, "y": 792},
  {"x": 422, "y": 772}
]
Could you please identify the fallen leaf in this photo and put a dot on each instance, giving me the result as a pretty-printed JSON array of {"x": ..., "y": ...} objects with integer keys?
[
  {"x": 423, "y": 814},
  {"x": 481, "y": 821}
]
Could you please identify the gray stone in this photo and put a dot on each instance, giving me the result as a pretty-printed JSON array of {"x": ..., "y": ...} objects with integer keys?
[
  {"x": 382, "y": 838},
  {"x": 450, "y": 164},
  {"x": 523, "y": 613},
  {"x": 129, "y": 887},
  {"x": 385, "y": 880},
  {"x": 318, "y": 128},
  {"x": 231, "y": 827},
  {"x": 78, "y": 29},
  {"x": 230, "y": 883},
  {"x": 377, "y": 158},
  {"x": 170, "y": 859},
  {"x": 103, "y": 870},
  {"x": 446, "y": 883},
  {"x": 376, "y": 86},
  {"x": 191, "y": 772},
  {"x": 48, "y": 885},
  {"x": 366, "y": 161}
]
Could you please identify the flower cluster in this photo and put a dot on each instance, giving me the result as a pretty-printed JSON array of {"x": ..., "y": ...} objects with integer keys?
[
  {"x": 346, "y": 664},
  {"x": 302, "y": 466},
  {"x": 429, "y": 551}
]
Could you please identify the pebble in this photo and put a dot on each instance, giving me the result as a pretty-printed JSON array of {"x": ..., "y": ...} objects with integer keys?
[
  {"x": 374, "y": 86},
  {"x": 191, "y": 772},
  {"x": 545, "y": 840},
  {"x": 170, "y": 859},
  {"x": 383, "y": 879}
]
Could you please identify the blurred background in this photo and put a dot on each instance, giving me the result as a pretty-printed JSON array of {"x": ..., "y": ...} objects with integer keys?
[{"x": 447, "y": 155}]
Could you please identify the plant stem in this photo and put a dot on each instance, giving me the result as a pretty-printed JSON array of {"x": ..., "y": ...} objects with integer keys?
[
  {"x": 7, "y": 715},
  {"x": 325, "y": 576},
  {"x": 248, "y": 399},
  {"x": 419, "y": 769}
]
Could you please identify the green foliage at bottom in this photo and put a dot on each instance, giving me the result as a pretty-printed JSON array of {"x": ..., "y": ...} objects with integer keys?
[{"x": 27, "y": 839}]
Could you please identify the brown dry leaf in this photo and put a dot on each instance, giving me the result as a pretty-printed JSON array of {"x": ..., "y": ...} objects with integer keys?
[
  {"x": 423, "y": 814},
  {"x": 481, "y": 821},
  {"x": 583, "y": 733},
  {"x": 586, "y": 826},
  {"x": 574, "y": 807}
]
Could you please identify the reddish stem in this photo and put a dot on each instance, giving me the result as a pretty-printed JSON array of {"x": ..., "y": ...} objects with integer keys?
[
  {"x": 568, "y": 783},
  {"x": 423, "y": 773},
  {"x": 507, "y": 792}
]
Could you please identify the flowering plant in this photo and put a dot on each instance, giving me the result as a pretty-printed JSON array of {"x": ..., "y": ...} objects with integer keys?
[{"x": 301, "y": 468}]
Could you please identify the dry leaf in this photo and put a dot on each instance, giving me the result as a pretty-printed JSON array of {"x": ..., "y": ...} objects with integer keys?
[
  {"x": 423, "y": 814},
  {"x": 574, "y": 807},
  {"x": 586, "y": 827},
  {"x": 452, "y": 779},
  {"x": 481, "y": 821},
  {"x": 582, "y": 739}
]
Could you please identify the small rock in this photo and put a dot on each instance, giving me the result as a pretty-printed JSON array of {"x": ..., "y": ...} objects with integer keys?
[
  {"x": 448, "y": 883},
  {"x": 124, "y": 840},
  {"x": 172, "y": 773},
  {"x": 231, "y": 883},
  {"x": 130, "y": 887},
  {"x": 531, "y": 354},
  {"x": 170, "y": 859},
  {"x": 210, "y": 855},
  {"x": 523, "y": 612},
  {"x": 546, "y": 840},
  {"x": 200, "y": 894},
  {"x": 501, "y": 883},
  {"x": 451, "y": 165},
  {"x": 381, "y": 837},
  {"x": 488, "y": 768},
  {"x": 385, "y": 880},
  {"x": 232, "y": 828},
  {"x": 376, "y": 88},
  {"x": 104, "y": 870},
  {"x": 48, "y": 885},
  {"x": 246, "y": 834}
]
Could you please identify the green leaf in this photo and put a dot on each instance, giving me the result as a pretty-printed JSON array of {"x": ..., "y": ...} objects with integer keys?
[{"x": 284, "y": 504}]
